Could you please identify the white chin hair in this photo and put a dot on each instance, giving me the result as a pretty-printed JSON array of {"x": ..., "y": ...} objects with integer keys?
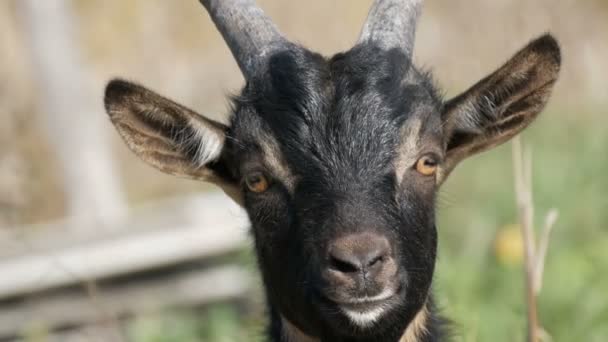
[{"x": 364, "y": 318}]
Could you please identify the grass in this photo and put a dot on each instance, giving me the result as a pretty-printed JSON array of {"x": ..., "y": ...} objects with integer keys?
[
  {"x": 481, "y": 290},
  {"x": 219, "y": 323}
]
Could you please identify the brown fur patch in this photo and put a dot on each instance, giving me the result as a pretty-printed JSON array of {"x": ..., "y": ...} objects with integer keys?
[
  {"x": 292, "y": 334},
  {"x": 414, "y": 332},
  {"x": 408, "y": 150},
  {"x": 417, "y": 328},
  {"x": 273, "y": 159}
]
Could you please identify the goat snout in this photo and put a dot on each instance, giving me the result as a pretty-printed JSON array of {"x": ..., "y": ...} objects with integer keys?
[
  {"x": 360, "y": 253},
  {"x": 359, "y": 266}
]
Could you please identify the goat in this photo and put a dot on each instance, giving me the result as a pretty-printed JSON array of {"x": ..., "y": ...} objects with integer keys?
[{"x": 337, "y": 162}]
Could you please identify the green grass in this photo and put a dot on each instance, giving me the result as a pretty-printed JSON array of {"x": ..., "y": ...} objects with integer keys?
[
  {"x": 219, "y": 323},
  {"x": 484, "y": 297}
]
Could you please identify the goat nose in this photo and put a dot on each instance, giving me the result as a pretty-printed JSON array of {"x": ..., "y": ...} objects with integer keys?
[{"x": 355, "y": 253}]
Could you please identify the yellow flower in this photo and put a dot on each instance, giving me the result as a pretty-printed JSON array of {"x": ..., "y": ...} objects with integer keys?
[{"x": 509, "y": 245}]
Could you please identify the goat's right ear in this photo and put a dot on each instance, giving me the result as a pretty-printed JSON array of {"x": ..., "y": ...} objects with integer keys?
[{"x": 170, "y": 137}]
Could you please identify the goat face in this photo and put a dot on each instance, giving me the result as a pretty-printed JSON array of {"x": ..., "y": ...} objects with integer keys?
[
  {"x": 344, "y": 228},
  {"x": 337, "y": 162}
]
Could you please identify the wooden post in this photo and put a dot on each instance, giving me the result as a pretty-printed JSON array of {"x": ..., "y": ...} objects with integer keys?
[
  {"x": 12, "y": 104},
  {"x": 73, "y": 115}
]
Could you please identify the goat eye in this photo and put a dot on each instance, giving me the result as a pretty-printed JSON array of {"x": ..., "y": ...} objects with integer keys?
[
  {"x": 256, "y": 182},
  {"x": 427, "y": 165}
]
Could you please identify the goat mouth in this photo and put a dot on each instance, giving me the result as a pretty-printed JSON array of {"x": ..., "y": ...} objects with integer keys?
[
  {"x": 364, "y": 312},
  {"x": 385, "y": 295},
  {"x": 368, "y": 316}
]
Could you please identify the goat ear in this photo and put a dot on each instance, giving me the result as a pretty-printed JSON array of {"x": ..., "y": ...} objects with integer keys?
[
  {"x": 502, "y": 104},
  {"x": 170, "y": 137}
]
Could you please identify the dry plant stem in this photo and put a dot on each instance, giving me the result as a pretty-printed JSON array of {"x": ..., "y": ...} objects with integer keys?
[
  {"x": 550, "y": 220},
  {"x": 523, "y": 188}
]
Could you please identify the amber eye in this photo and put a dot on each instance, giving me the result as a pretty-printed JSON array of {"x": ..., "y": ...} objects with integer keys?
[
  {"x": 256, "y": 182},
  {"x": 427, "y": 165}
]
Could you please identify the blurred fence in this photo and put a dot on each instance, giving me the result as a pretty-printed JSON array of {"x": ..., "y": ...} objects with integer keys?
[
  {"x": 58, "y": 275},
  {"x": 100, "y": 264}
]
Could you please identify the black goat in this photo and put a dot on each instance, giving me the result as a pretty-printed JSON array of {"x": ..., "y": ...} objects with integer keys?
[{"x": 338, "y": 162}]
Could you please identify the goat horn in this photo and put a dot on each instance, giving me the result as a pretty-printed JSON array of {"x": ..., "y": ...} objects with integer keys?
[
  {"x": 392, "y": 24},
  {"x": 248, "y": 32}
]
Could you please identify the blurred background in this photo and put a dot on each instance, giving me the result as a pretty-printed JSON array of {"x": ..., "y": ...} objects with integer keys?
[{"x": 97, "y": 246}]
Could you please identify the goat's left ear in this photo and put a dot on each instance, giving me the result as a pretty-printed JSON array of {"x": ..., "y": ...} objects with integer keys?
[{"x": 502, "y": 104}]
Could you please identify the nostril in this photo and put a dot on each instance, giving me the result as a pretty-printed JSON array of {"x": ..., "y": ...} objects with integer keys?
[
  {"x": 344, "y": 266},
  {"x": 375, "y": 261}
]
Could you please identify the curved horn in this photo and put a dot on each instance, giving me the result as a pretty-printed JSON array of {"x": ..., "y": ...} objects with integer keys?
[
  {"x": 392, "y": 24},
  {"x": 248, "y": 32}
]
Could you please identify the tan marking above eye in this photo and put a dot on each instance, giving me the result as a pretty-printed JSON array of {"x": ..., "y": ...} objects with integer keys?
[
  {"x": 256, "y": 182},
  {"x": 427, "y": 165}
]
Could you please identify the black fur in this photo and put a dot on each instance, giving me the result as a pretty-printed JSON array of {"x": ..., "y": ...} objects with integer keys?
[{"x": 338, "y": 123}]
